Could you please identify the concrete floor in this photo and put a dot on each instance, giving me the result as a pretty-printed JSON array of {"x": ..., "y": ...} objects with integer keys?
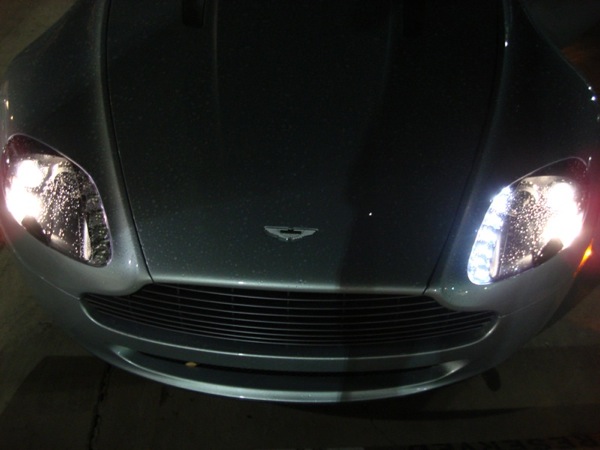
[{"x": 53, "y": 394}]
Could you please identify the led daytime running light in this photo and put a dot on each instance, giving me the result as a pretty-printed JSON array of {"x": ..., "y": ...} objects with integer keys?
[{"x": 528, "y": 223}]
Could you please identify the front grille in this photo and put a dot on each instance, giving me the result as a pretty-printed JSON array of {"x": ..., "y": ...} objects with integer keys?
[{"x": 288, "y": 318}]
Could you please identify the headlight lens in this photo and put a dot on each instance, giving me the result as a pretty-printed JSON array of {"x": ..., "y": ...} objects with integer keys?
[
  {"x": 529, "y": 221},
  {"x": 55, "y": 200}
]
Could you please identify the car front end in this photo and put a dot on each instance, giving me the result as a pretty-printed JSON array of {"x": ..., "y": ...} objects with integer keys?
[{"x": 297, "y": 202}]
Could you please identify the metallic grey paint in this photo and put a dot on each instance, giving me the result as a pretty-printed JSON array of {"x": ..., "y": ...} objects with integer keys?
[{"x": 321, "y": 115}]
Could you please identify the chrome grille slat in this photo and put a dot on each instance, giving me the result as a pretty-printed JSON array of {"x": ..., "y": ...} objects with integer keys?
[
  {"x": 379, "y": 327},
  {"x": 272, "y": 311},
  {"x": 286, "y": 318},
  {"x": 321, "y": 337},
  {"x": 381, "y": 324}
]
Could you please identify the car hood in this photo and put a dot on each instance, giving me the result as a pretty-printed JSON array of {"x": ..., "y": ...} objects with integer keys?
[{"x": 359, "y": 119}]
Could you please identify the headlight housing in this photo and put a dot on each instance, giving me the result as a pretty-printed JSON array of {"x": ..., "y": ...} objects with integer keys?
[
  {"x": 55, "y": 200},
  {"x": 530, "y": 221}
]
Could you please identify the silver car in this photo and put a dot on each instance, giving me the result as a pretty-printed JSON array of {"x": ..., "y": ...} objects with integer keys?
[{"x": 304, "y": 201}]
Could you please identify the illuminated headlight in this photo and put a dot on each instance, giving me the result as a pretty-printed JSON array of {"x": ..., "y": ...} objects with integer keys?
[
  {"x": 55, "y": 200},
  {"x": 529, "y": 221}
]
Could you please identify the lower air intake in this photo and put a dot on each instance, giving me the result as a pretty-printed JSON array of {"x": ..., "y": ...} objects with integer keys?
[{"x": 288, "y": 318}]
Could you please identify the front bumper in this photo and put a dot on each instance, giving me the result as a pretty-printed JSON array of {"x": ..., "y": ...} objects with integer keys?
[{"x": 344, "y": 375}]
